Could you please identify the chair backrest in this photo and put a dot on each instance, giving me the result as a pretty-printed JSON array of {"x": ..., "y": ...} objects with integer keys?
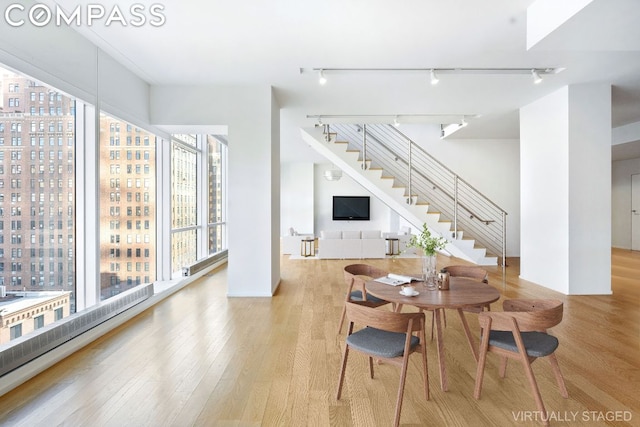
[
  {"x": 358, "y": 312},
  {"x": 470, "y": 271},
  {"x": 530, "y": 315},
  {"x": 352, "y": 271}
]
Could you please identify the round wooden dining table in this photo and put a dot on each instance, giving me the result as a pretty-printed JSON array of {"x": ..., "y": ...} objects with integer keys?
[{"x": 462, "y": 293}]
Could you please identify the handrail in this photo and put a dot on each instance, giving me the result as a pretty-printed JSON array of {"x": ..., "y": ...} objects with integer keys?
[
  {"x": 408, "y": 163},
  {"x": 430, "y": 180},
  {"x": 444, "y": 166}
]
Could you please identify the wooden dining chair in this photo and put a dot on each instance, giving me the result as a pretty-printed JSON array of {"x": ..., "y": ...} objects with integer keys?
[
  {"x": 387, "y": 336},
  {"x": 520, "y": 332},
  {"x": 471, "y": 272},
  {"x": 355, "y": 276}
]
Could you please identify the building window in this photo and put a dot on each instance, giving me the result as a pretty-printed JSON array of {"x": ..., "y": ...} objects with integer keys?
[
  {"x": 15, "y": 331},
  {"x": 38, "y": 322},
  {"x": 57, "y": 314}
]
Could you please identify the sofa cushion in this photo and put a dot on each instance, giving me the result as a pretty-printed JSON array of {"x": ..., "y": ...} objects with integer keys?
[
  {"x": 331, "y": 234},
  {"x": 350, "y": 234},
  {"x": 371, "y": 234}
]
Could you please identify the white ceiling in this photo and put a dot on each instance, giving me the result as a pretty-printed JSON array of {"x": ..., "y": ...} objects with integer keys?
[{"x": 269, "y": 42}]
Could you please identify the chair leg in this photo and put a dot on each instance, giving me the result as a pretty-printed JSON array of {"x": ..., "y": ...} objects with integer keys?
[
  {"x": 526, "y": 363},
  {"x": 403, "y": 376},
  {"x": 426, "y": 372},
  {"x": 503, "y": 366},
  {"x": 482, "y": 359},
  {"x": 342, "y": 371},
  {"x": 558, "y": 374},
  {"x": 433, "y": 322},
  {"x": 344, "y": 313},
  {"x": 371, "y": 367}
]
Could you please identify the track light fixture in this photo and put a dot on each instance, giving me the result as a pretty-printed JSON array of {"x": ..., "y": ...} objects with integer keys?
[
  {"x": 536, "y": 76},
  {"x": 435, "y": 73},
  {"x": 463, "y": 123},
  {"x": 434, "y": 77},
  {"x": 321, "y": 78},
  {"x": 396, "y": 123}
]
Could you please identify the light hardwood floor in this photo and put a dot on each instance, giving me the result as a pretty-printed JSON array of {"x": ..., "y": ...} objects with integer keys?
[{"x": 199, "y": 358}]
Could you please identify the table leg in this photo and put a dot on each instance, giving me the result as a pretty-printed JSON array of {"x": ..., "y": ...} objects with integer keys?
[
  {"x": 440, "y": 344},
  {"x": 467, "y": 332}
]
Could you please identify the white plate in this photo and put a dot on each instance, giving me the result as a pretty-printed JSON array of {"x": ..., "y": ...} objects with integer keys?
[{"x": 411, "y": 295}]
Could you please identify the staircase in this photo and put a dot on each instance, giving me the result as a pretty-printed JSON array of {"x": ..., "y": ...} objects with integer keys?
[{"x": 415, "y": 185}]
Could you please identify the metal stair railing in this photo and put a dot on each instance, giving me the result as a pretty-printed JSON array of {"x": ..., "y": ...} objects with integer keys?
[{"x": 428, "y": 181}]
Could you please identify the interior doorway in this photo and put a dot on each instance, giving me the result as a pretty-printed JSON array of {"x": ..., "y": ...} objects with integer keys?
[{"x": 635, "y": 212}]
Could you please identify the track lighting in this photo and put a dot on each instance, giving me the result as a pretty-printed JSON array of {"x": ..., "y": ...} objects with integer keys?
[
  {"x": 463, "y": 123},
  {"x": 321, "y": 78},
  {"x": 536, "y": 76},
  {"x": 396, "y": 123},
  {"x": 434, "y": 73},
  {"x": 434, "y": 77}
]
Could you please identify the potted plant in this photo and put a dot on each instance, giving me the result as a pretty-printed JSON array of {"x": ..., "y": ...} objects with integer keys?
[{"x": 429, "y": 244}]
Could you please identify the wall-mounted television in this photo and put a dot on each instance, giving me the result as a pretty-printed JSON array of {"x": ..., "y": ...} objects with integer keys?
[{"x": 351, "y": 208}]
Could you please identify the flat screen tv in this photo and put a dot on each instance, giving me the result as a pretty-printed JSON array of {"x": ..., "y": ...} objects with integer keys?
[{"x": 351, "y": 208}]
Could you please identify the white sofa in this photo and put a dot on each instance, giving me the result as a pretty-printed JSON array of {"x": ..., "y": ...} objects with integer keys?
[{"x": 351, "y": 244}]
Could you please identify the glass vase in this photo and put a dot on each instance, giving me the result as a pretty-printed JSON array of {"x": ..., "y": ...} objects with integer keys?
[{"x": 429, "y": 273}]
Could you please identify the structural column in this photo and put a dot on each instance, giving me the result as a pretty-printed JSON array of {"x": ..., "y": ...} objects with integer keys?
[{"x": 565, "y": 163}]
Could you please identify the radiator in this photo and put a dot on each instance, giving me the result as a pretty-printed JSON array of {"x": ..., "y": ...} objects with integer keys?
[
  {"x": 26, "y": 348},
  {"x": 200, "y": 265}
]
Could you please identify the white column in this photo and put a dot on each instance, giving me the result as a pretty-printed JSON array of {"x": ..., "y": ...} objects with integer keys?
[
  {"x": 254, "y": 199},
  {"x": 565, "y": 192},
  {"x": 253, "y": 190}
]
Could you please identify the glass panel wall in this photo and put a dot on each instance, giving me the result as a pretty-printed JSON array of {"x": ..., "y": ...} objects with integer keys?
[
  {"x": 37, "y": 204},
  {"x": 40, "y": 129},
  {"x": 127, "y": 206},
  {"x": 184, "y": 206},
  {"x": 216, "y": 164}
]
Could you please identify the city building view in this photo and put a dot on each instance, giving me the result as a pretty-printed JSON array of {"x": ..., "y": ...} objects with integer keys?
[{"x": 38, "y": 140}]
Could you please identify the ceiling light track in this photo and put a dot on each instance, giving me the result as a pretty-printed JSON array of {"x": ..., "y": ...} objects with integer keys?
[
  {"x": 524, "y": 71},
  {"x": 435, "y": 73}
]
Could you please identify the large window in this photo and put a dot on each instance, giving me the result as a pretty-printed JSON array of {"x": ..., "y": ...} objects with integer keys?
[
  {"x": 79, "y": 217},
  {"x": 37, "y": 194},
  {"x": 184, "y": 196},
  {"x": 198, "y": 204},
  {"x": 217, "y": 150},
  {"x": 127, "y": 206}
]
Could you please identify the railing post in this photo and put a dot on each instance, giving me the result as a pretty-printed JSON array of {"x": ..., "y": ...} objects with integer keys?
[
  {"x": 364, "y": 147},
  {"x": 504, "y": 239},
  {"x": 455, "y": 207},
  {"x": 410, "y": 165}
]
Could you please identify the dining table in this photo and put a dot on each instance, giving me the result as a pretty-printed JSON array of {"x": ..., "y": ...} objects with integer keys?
[{"x": 462, "y": 293}]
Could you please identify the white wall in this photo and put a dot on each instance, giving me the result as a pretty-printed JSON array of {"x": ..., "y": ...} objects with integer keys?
[
  {"x": 297, "y": 198},
  {"x": 325, "y": 190},
  {"x": 566, "y": 190},
  {"x": 545, "y": 191},
  {"x": 621, "y": 201},
  {"x": 491, "y": 166}
]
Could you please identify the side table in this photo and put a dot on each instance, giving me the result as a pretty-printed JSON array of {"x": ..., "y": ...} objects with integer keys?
[{"x": 307, "y": 246}]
